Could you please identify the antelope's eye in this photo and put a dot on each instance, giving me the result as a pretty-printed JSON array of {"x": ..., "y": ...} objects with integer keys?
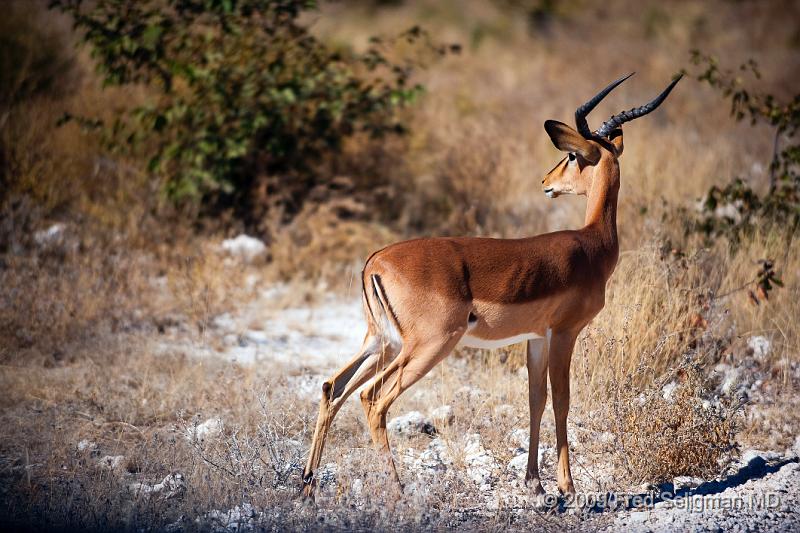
[{"x": 571, "y": 156}]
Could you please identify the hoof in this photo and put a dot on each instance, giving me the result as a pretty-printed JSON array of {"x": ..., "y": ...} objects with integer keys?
[
  {"x": 567, "y": 491},
  {"x": 309, "y": 483},
  {"x": 535, "y": 486}
]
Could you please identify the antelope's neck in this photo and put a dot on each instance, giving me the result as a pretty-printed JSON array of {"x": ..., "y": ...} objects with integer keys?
[{"x": 601, "y": 215}]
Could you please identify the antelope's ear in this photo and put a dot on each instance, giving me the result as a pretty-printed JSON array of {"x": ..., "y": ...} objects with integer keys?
[
  {"x": 567, "y": 139},
  {"x": 616, "y": 140}
]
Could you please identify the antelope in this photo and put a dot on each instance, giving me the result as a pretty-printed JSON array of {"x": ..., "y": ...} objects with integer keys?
[{"x": 424, "y": 297}]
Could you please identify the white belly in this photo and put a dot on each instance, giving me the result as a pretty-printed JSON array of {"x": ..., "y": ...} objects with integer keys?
[{"x": 477, "y": 342}]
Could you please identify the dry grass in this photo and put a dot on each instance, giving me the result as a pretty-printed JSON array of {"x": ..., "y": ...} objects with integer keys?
[
  {"x": 660, "y": 304},
  {"x": 80, "y": 318},
  {"x": 145, "y": 409},
  {"x": 321, "y": 245}
]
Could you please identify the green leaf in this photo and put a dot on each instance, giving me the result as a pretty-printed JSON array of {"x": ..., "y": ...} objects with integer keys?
[
  {"x": 152, "y": 36},
  {"x": 154, "y": 164}
]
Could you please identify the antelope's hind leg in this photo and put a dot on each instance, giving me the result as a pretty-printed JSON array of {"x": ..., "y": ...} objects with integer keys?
[
  {"x": 373, "y": 356},
  {"x": 414, "y": 361}
]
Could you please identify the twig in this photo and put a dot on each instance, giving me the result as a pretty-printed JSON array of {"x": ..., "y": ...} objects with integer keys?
[
  {"x": 124, "y": 424},
  {"x": 740, "y": 288},
  {"x": 773, "y": 164}
]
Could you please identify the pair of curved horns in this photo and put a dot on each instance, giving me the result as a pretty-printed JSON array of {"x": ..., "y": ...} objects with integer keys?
[{"x": 616, "y": 120}]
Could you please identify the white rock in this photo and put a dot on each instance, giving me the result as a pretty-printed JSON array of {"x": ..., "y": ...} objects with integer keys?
[
  {"x": 87, "y": 446},
  {"x": 520, "y": 437},
  {"x": 572, "y": 436},
  {"x": 729, "y": 377},
  {"x": 170, "y": 487},
  {"x": 668, "y": 390},
  {"x": 522, "y": 458},
  {"x": 686, "y": 482},
  {"x": 224, "y": 322},
  {"x": 245, "y": 247},
  {"x": 411, "y": 423},
  {"x": 519, "y": 463},
  {"x": 442, "y": 416},
  {"x": 760, "y": 346},
  {"x": 239, "y": 518},
  {"x": 50, "y": 235},
  {"x": 730, "y": 210},
  {"x": 230, "y": 340},
  {"x": 112, "y": 462},
  {"x": 436, "y": 455},
  {"x": 207, "y": 430},
  {"x": 327, "y": 474},
  {"x": 474, "y": 394},
  {"x": 749, "y": 455},
  {"x": 256, "y": 336},
  {"x": 480, "y": 463}
]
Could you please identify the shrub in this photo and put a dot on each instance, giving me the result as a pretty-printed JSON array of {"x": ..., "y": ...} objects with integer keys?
[
  {"x": 33, "y": 60},
  {"x": 242, "y": 91},
  {"x": 33, "y": 66},
  {"x": 736, "y": 207},
  {"x": 661, "y": 433}
]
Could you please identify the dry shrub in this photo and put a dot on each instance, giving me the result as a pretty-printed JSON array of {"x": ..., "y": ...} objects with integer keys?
[
  {"x": 133, "y": 402},
  {"x": 200, "y": 282},
  {"x": 660, "y": 432},
  {"x": 35, "y": 56},
  {"x": 63, "y": 168},
  {"x": 55, "y": 290},
  {"x": 661, "y": 303},
  {"x": 327, "y": 243},
  {"x": 468, "y": 184}
]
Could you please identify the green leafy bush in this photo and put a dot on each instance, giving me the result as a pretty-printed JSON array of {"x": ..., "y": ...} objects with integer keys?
[
  {"x": 243, "y": 92},
  {"x": 737, "y": 207}
]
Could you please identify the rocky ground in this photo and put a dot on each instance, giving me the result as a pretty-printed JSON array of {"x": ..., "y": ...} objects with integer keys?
[
  {"x": 760, "y": 492},
  {"x": 459, "y": 437}
]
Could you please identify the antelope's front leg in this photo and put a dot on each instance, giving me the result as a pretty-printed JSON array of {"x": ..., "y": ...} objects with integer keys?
[
  {"x": 559, "y": 357},
  {"x": 537, "y": 397}
]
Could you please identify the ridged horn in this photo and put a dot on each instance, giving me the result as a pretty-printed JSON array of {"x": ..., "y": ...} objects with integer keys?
[
  {"x": 585, "y": 109},
  {"x": 626, "y": 116}
]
